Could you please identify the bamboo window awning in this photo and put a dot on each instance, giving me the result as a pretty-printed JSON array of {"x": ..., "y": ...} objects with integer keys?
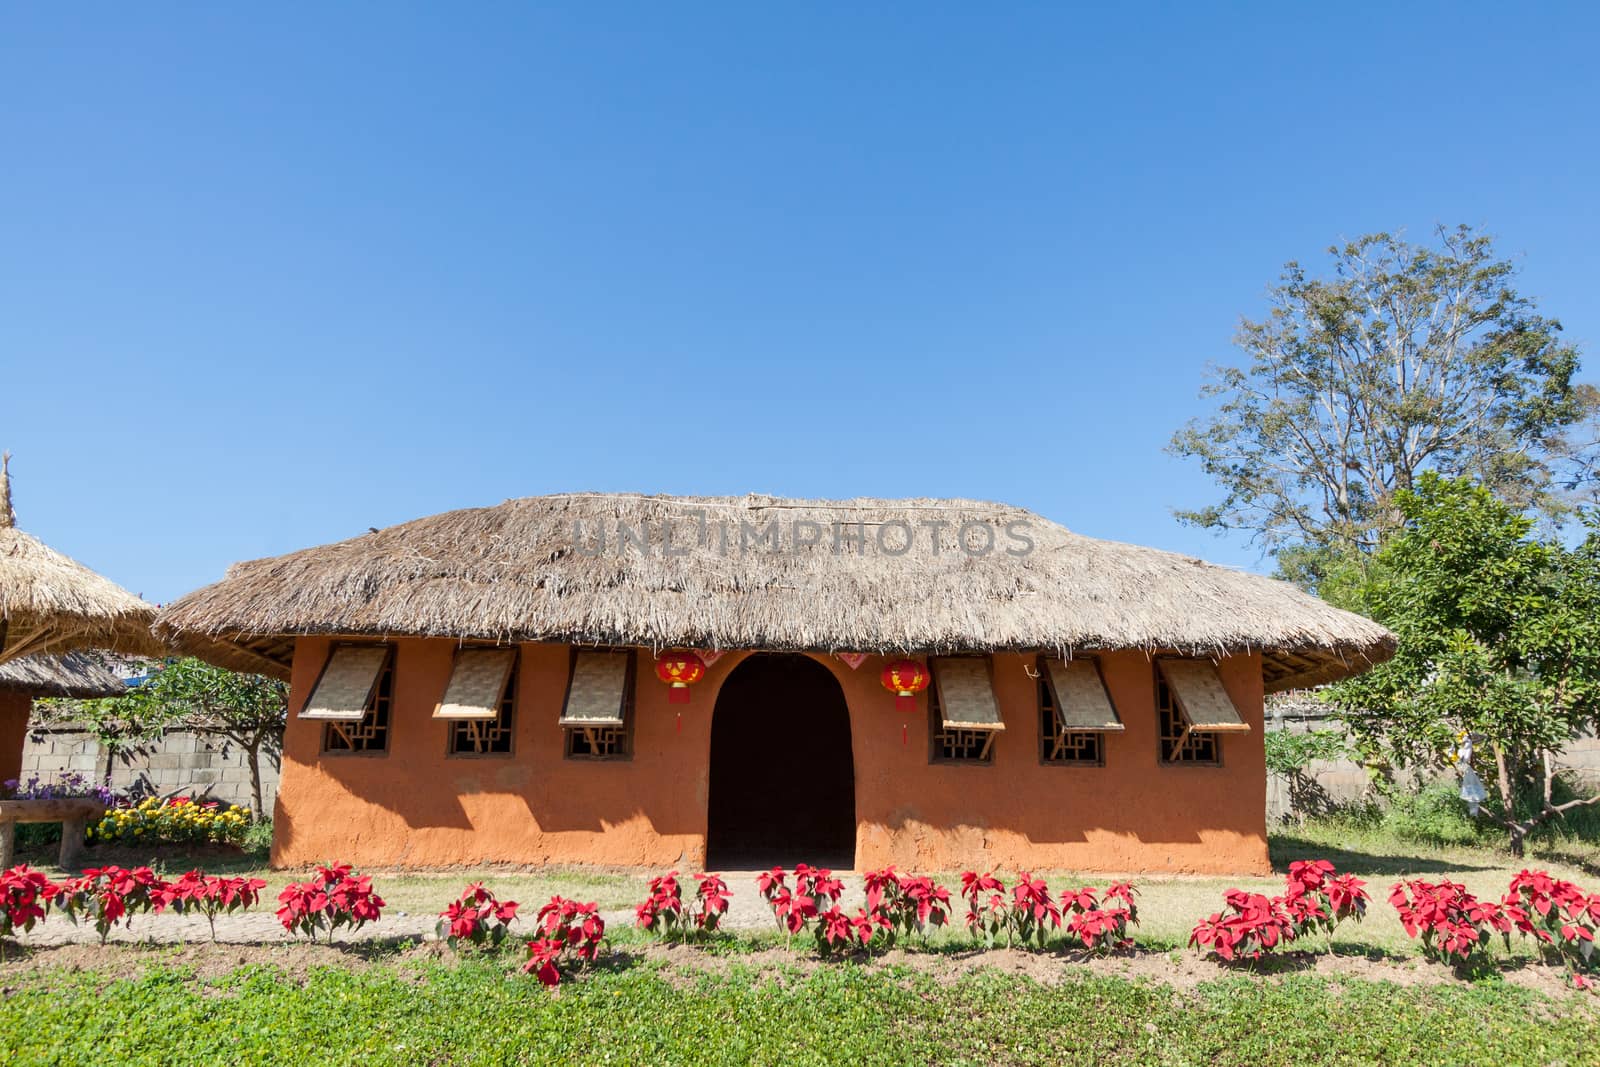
[
  {"x": 1202, "y": 700},
  {"x": 1082, "y": 703},
  {"x": 966, "y": 697},
  {"x": 345, "y": 688},
  {"x": 597, "y": 691},
  {"x": 477, "y": 684}
]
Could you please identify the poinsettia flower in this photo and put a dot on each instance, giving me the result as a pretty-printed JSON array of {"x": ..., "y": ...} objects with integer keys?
[{"x": 769, "y": 882}]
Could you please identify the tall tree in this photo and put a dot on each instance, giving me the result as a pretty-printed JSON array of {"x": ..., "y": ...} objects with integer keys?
[
  {"x": 1499, "y": 640},
  {"x": 1407, "y": 359}
]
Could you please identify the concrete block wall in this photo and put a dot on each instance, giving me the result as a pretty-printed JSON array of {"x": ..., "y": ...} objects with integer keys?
[
  {"x": 179, "y": 760},
  {"x": 1341, "y": 782}
]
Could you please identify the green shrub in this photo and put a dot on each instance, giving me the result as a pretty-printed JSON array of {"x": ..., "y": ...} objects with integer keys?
[
  {"x": 1290, "y": 752},
  {"x": 257, "y": 839},
  {"x": 1435, "y": 815},
  {"x": 37, "y": 836}
]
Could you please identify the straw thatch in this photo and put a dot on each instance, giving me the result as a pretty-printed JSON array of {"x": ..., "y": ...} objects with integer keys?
[
  {"x": 49, "y": 602},
  {"x": 73, "y": 675},
  {"x": 531, "y": 570}
]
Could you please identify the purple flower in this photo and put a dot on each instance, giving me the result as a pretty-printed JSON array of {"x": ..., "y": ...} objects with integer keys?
[{"x": 69, "y": 785}]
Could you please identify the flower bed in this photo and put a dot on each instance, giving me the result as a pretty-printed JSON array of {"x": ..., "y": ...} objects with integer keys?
[
  {"x": 175, "y": 821},
  {"x": 1561, "y": 919},
  {"x": 336, "y": 897},
  {"x": 664, "y": 913},
  {"x": 1254, "y": 924},
  {"x": 476, "y": 917},
  {"x": 210, "y": 895},
  {"x": 567, "y": 929},
  {"x": 69, "y": 786}
]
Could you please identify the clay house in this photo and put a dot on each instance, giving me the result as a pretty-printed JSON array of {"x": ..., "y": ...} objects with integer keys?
[{"x": 732, "y": 682}]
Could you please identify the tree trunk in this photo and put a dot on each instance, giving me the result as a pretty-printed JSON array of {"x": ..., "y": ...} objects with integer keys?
[
  {"x": 1502, "y": 778},
  {"x": 253, "y": 750}
]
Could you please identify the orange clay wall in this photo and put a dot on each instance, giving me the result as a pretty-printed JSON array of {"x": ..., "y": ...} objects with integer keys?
[
  {"x": 414, "y": 806},
  {"x": 14, "y": 708}
]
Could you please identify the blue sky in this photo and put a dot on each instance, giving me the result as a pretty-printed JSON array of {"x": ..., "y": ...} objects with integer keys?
[{"x": 271, "y": 277}]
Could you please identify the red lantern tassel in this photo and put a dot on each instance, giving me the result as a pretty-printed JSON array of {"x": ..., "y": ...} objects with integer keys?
[
  {"x": 679, "y": 726},
  {"x": 905, "y": 703},
  {"x": 678, "y": 695},
  {"x": 904, "y": 737}
]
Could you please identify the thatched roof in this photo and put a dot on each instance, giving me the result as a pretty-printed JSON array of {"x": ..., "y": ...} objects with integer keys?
[
  {"x": 72, "y": 675},
  {"x": 529, "y": 570},
  {"x": 49, "y": 602}
]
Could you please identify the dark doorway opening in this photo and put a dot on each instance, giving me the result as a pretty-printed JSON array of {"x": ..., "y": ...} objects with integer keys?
[{"x": 783, "y": 785}]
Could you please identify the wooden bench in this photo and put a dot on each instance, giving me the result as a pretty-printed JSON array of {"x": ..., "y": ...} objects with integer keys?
[{"x": 74, "y": 815}]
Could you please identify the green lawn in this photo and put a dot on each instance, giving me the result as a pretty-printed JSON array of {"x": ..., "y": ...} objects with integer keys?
[{"x": 640, "y": 1012}]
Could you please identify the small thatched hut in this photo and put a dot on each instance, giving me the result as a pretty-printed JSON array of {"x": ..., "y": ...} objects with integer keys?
[
  {"x": 507, "y": 684},
  {"x": 50, "y": 603},
  {"x": 22, "y": 680}
]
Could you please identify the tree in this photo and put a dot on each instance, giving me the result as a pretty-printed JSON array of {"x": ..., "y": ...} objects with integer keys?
[
  {"x": 1407, "y": 359},
  {"x": 1499, "y": 640},
  {"x": 247, "y": 709}
]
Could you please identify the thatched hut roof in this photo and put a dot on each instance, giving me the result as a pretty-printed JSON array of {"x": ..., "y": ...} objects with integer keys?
[
  {"x": 49, "y": 602},
  {"x": 534, "y": 570},
  {"x": 72, "y": 675}
]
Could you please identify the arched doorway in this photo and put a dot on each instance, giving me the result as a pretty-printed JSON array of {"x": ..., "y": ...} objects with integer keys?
[{"x": 782, "y": 773}]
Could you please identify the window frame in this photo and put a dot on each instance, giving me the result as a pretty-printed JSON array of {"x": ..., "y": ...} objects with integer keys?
[
  {"x": 507, "y": 713},
  {"x": 1168, "y": 734},
  {"x": 571, "y": 732},
  {"x": 938, "y": 730},
  {"x": 1050, "y": 721},
  {"x": 383, "y": 692}
]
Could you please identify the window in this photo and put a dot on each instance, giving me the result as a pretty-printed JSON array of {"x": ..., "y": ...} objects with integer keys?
[
  {"x": 597, "y": 716},
  {"x": 370, "y": 733},
  {"x": 488, "y": 737},
  {"x": 599, "y": 742},
  {"x": 1057, "y": 745},
  {"x": 1179, "y": 744},
  {"x": 962, "y": 715}
]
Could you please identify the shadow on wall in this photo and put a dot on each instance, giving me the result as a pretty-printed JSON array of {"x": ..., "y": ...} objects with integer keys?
[
  {"x": 282, "y": 832},
  {"x": 1043, "y": 830},
  {"x": 604, "y": 799}
]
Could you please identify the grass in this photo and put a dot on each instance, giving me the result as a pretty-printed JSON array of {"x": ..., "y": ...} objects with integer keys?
[
  {"x": 472, "y": 1012},
  {"x": 386, "y": 1003},
  {"x": 1435, "y": 817}
]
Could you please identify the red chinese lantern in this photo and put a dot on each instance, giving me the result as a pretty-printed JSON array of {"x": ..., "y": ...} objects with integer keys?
[
  {"x": 680, "y": 669},
  {"x": 905, "y": 678}
]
